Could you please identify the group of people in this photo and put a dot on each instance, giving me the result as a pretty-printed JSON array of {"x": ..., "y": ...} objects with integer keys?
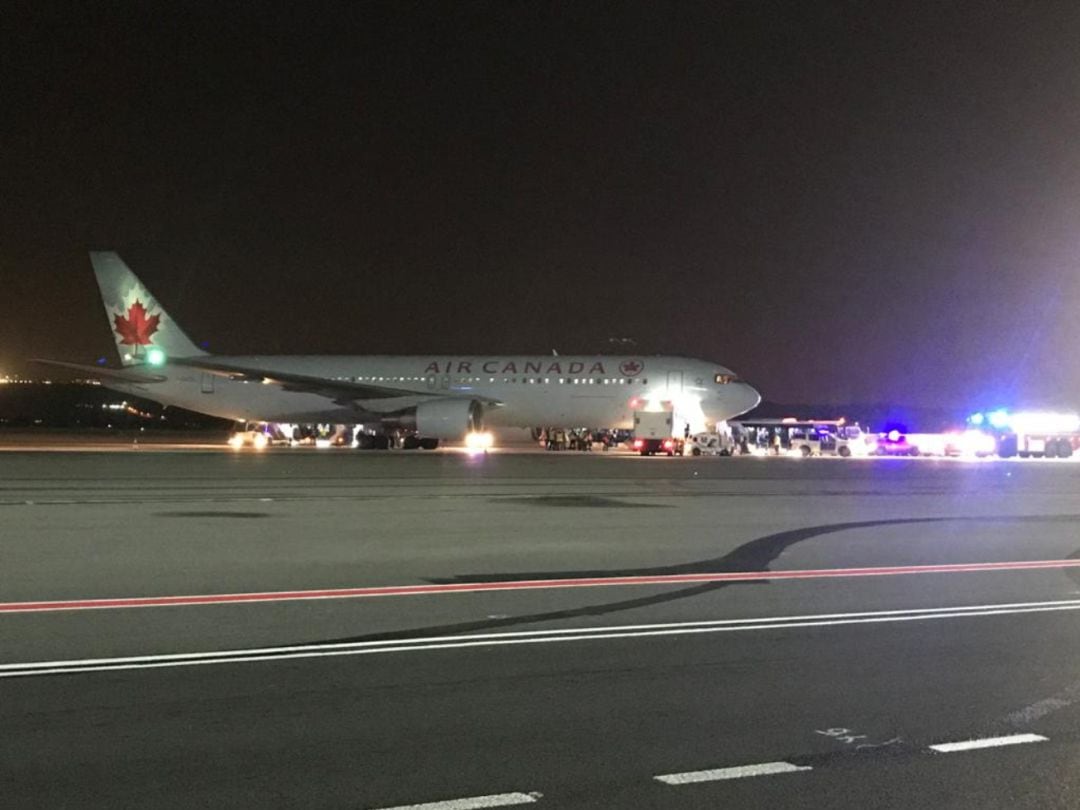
[{"x": 581, "y": 439}]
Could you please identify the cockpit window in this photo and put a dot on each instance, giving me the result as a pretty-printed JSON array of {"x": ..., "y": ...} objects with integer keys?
[{"x": 724, "y": 379}]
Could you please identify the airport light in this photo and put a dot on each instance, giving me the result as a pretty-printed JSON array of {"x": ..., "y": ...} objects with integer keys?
[
  {"x": 155, "y": 357},
  {"x": 976, "y": 443},
  {"x": 479, "y": 442},
  {"x": 999, "y": 419}
]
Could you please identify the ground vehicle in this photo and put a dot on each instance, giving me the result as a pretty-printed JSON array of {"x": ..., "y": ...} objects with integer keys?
[
  {"x": 258, "y": 436},
  {"x": 895, "y": 443},
  {"x": 1037, "y": 445},
  {"x": 827, "y": 439},
  {"x": 710, "y": 444},
  {"x": 653, "y": 433},
  {"x": 805, "y": 437},
  {"x": 1032, "y": 434}
]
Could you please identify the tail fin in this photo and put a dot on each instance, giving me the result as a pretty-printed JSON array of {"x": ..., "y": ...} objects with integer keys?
[{"x": 140, "y": 325}]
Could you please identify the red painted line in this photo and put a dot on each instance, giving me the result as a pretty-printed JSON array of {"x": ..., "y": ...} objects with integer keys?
[{"x": 525, "y": 584}]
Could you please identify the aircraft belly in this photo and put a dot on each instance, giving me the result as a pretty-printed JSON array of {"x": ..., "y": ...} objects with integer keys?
[{"x": 230, "y": 399}]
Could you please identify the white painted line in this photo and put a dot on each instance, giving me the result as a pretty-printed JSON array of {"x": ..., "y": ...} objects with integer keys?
[
  {"x": 987, "y": 742},
  {"x": 599, "y": 633},
  {"x": 496, "y": 800},
  {"x": 740, "y": 772}
]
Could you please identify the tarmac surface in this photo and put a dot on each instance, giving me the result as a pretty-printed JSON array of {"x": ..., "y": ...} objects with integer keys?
[{"x": 193, "y": 628}]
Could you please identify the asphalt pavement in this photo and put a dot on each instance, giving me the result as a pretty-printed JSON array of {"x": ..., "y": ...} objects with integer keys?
[{"x": 382, "y": 630}]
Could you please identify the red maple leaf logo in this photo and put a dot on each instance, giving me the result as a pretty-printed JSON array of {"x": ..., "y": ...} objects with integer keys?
[
  {"x": 630, "y": 367},
  {"x": 136, "y": 328}
]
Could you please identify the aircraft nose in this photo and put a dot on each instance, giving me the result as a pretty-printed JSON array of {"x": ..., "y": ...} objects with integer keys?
[{"x": 749, "y": 398}]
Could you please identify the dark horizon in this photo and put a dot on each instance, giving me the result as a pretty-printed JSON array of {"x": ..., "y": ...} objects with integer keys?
[{"x": 844, "y": 202}]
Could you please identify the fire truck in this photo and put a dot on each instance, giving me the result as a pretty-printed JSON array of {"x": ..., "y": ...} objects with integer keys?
[{"x": 1032, "y": 434}]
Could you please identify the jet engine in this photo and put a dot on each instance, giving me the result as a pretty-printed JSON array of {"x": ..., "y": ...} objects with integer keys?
[{"x": 448, "y": 418}]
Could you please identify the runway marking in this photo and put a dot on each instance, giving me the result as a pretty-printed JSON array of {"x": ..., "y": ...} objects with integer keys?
[
  {"x": 847, "y": 736},
  {"x": 495, "y": 800},
  {"x": 16, "y": 670},
  {"x": 739, "y": 772},
  {"x": 987, "y": 742},
  {"x": 524, "y": 584},
  {"x": 1037, "y": 710}
]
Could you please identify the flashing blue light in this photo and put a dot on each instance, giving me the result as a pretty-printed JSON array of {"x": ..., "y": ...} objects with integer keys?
[
  {"x": 977, "y": 419},
  {"x": 894, "y": 436},
  {"x": 102, "y": 361},
  {"x": 998, "y": 419}
]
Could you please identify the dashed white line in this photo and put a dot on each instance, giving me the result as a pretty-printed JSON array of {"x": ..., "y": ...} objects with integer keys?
[
  {"x": 739, "y": 772},
  {"x": 987, "y": 742},
  {"x": 473, "y": 802}
]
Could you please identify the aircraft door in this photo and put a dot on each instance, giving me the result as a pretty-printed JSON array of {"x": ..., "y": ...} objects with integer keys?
[
  {"x": 674, "y": 382},
  {"x": 207, "y": 383}
]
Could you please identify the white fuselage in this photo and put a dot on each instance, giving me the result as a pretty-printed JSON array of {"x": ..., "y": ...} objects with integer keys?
[{"x": 586, "y": 391}]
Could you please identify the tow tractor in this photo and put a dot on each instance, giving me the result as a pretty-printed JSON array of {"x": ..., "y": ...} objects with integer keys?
[{"x": 711, "y": 444}]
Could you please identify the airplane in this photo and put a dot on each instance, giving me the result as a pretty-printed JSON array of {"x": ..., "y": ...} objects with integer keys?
[{"x": 424, "y": 398}]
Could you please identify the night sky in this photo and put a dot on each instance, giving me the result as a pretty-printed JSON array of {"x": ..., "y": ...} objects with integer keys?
[{"x": 874, "y": 202}]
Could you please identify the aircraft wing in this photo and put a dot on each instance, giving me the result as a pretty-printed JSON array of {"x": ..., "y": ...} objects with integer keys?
[
  {"x": 341, "y": 391},
  {"x": 127, "y": 375}
]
